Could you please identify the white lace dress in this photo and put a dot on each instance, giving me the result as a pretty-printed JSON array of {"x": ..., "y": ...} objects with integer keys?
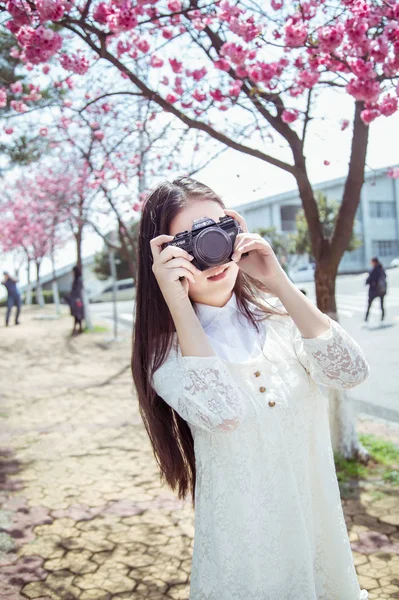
[{"x": 269, "y": 523}]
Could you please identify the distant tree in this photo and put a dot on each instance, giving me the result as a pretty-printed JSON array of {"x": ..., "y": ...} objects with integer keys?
[
  {"x": 125, "y": 256},
  {"x": 102, "y": 268},
  {"x": 328, "y": 211},
  {"x": 282, "y": 243}
]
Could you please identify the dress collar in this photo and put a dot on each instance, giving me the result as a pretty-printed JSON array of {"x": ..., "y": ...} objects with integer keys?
[{"x": 208, "y": 314}]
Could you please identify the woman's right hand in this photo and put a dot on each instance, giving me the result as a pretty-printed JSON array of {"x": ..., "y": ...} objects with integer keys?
[{"x": 172, "y": 269}]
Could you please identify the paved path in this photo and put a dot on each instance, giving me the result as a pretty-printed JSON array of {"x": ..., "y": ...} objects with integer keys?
[{"x": 83, "y": 515}]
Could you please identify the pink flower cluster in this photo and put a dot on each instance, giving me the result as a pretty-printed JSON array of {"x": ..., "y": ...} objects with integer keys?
[
  {"x": 3, "y": 98},
  {"x": 39, "y": 44},
  {"x": 296, "y": 32},
  {"x": 77, "y": 63},
  {"x": 50, "y": 10},
  {"x": 245, "y": 28},
  {"x": 330, "y": 37}
]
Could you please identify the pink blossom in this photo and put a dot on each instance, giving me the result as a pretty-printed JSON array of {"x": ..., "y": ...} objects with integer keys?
[
  {"x": 39, "y": 44},
  {"x": 50, "y": 10},
  {"x": 167, "y": 33},
  {"x": 174, "y": 5},
  {"x": 16, "y": 87},
  {"x": 15, "y": 53},
  {"x": 8, "y": 130},
  {"x": 235, "y": 52},
  {"x": 200, "y": 97},
  {"x": 307, "y": 79},
  {"x": 368, "y": 91},
  {"x": 289, "y": 116},
  {"x": 101, "y": 13},
  {"x": 241, "y": 71},
  {"x": 331, "y": 37},
  {"x": 165, "y": 80},
  {"x": 235, "y": 88},
  {"x": 296, "y": 33},
  {"x": 3, "y": 98},
  {"x": 156, "y": 62},
  {"x": 393, "y": 172},
  {"x": 217, "y": 95},
  {"x": 388, "y": 106},
  {"x": 326, "y": 163},
  {"x": 43, "y": 131},
  {"x": 369, "y": 114},
  {"x": 344, "y": 124},
  {"x": 171, "y": 98},
  {"x": 177, "y": 67},
  {"x": 75, "y": 63},
  {"x": 143, "y": 45},
  {"x": 18, "y": 106},
  {"x": 99, "y": 135},
  {"x": 199, "y": 74},
  {"x": 277, "y": 4},
  {"x": 137, "y": 207},
  {"x": 46, "y": 69},
  {"x": 222, "y": 64}
]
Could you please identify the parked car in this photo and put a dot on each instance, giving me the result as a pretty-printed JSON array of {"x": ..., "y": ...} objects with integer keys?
[
  {"x": 394, "y": 262},
  {"x": 125, "y": 290},
  {"x": 302, "y": 274}
]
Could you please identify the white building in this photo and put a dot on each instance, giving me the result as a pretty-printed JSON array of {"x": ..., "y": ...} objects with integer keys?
[{"x": 377, "y": 218}]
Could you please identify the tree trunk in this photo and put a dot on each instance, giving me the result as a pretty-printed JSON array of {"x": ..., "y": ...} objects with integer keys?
[
  {"x": 54, "y": 285},
  {"x": 79, "y": 238},
  {"x": 128, "y": 254},
  {"x": 39, "y": 291},
  {"x": 325, "y": 275},
  {"x": 28, "y": 295}
]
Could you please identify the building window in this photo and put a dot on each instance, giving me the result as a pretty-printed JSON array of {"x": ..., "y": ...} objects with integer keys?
[
  {"x": 382, "y": 210},
  {"x": 288, "y": 217},
  {"x": 385, "y": 248}
]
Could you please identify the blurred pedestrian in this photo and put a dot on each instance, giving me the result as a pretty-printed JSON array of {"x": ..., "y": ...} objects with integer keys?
[
  {"x": 75, "y": 300},
  {"x": 377, "y": 282},
  {"x": 13, "y": 298}
]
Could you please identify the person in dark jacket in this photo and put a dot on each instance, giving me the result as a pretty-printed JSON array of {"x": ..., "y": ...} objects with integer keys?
[
  {"x": 75, "y": 300},
  {"x": 13, "y": 298},
  {"x": 377, "y": 282}
]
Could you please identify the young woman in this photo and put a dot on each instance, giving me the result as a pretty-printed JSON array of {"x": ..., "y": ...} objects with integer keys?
[
  {"x": 75, "y": 300},
  {"x": 228, "y": 391},
  {"x": 377, "y": 282}
]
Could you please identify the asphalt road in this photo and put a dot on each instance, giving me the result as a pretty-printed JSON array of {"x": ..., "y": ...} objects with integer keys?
[{"x": 379, "y": 395}]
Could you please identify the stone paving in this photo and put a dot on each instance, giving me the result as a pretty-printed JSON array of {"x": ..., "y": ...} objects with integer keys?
[{"x": 83, "y": 514}]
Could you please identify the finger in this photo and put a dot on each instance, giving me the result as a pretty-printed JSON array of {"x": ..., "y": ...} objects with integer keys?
[
  {"x": 173, "y": 252},
  {"x": 247, "y": 247},
  {"x": 240, "y": 220},
  {"x": 157, "y": 242},
  {"x": 182, "y": 272},
  {"x": 182, "y": 262}
]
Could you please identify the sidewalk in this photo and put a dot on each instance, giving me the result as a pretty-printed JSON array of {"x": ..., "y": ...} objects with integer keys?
[{"x": 83, "y": 513}]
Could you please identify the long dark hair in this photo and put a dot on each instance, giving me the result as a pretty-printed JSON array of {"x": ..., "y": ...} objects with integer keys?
[{"x": 170, "y": 435}]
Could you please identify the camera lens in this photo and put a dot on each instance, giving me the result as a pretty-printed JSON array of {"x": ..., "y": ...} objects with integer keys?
[{"x": 212, "y": 246}]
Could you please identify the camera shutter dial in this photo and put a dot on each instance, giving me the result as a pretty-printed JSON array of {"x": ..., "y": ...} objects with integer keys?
[{"x": 213, "y": 246}]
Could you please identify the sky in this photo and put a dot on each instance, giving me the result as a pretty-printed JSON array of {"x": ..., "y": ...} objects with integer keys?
[{"x": 239, "y": 178}]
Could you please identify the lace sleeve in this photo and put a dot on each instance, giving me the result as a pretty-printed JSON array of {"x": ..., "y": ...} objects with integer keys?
[
  {"x": 200, "y": 390},
  {"x": 333, "y": 358}
]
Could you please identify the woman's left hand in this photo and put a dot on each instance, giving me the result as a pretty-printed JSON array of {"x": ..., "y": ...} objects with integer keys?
[{"x": 261, "y": 262}]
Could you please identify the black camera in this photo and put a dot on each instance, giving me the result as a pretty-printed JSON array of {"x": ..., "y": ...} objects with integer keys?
[{"x": 210, "y": 243}]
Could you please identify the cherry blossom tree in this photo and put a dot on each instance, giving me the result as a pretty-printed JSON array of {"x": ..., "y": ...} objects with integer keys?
[
  {"x": 34, "y": 212},
  {"x": 249, "y": 75}
]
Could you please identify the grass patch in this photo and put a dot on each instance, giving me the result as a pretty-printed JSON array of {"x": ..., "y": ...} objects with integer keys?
[
  {"x": 97, "y": 329},
  {"x": 383, "y": 451},
  {"x": 384, "y": 463}
]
